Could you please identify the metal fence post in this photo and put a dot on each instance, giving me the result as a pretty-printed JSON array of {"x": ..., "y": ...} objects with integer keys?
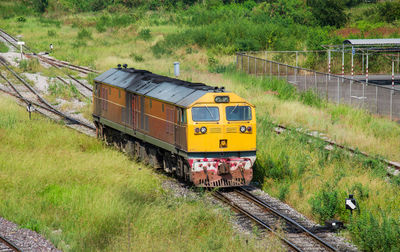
[
  {"x": 270, "y": 69},
  {"x": 255, "y": 66},
  {"x": 279, "y": 74},
  {"x": 315, "y": 82},
  {"x": 363, "y": 96},
  {"x": 286, "y": 72},
  {"x": 338, "y": 91},
  {"x": 326, "y": 86},
  {"x": 376, "y": 98},
  {"x": 237, "y": 60},
  {"x": 391, "y": 103},
  {"x": 263, "y": 67},
  {"x": 242, "y": 62},
  {"x": 248, "y": 64},
  {"x": 305, "y": 80}
]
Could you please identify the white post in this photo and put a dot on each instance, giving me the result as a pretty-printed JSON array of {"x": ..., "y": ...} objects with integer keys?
[
  {"x": 329, "y": 63},
  {"x": 366, "y": 70},
  {"x": 21, "y": 43},
  {"x": 343, "y": 63},
  {"x": 391, "y": 93},
  {"x": 352, "y": 62}
]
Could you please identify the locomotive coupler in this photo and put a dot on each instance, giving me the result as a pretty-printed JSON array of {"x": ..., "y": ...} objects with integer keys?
[{"x": 223, "y": 168}]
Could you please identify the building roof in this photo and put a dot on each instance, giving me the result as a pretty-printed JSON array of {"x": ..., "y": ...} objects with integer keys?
[
  {"x": 175, "y": 91},
  {"x": 373, "y": 42}
]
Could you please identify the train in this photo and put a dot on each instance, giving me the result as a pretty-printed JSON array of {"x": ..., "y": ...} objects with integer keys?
[{"x": 204, "y": 135}]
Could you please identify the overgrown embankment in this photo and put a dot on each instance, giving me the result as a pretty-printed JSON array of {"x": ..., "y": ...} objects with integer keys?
[
  {"x": 314, "y": 180},
  {"x": 84, "y": 196}
]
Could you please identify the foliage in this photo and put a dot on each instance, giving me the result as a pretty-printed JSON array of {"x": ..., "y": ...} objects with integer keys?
[
  {"x": 106, "y": 203},
  {"x": 29, "y": 65},
  {"x": 38, "y": 5},
  {"x": 375, "y": 233},
  {"x": 329, "y": 12},
  {"x": 3, "y": 47},
  {"x": 144, "y": 34},
  {"x": 325, "y": 203},
  {"x": 389, "y": 11}
]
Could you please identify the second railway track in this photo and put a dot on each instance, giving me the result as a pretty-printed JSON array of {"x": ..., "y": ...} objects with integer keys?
[
  {"x": 30, "y": 96},
  {"x": 296, "y": 236}
]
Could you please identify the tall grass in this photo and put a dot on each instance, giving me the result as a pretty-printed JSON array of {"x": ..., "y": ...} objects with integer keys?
[
  {"x": 84, "y": 196},
  {"x": 3, "y": 47}
]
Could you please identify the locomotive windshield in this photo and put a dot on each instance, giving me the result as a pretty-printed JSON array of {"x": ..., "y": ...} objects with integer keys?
[
  {"x": 205, "y": 114},
  {"x": 238, "y": 113}
]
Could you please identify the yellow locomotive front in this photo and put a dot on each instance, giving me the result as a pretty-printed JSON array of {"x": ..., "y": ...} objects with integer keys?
[{"x": 221, "y": 140}]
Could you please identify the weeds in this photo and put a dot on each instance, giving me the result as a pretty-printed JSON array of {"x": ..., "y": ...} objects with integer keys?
[
  {"x": 3, "y": 47},
  {"x": 99, "y": 203},
  {"x": 30, "y": 65},
  {"x": 84, "y": 34},
  {"x": 325, "y": 203},
  {"x": 136, "y": 57},
  {"x": 144, "y": 34}
]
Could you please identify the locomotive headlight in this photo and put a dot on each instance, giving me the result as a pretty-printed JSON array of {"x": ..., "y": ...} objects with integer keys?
[
  {"x": 249, "y": 128},
  {"x": 197, "y": 130},
  {"x": 242, "y": 129},
  {"x": 203, "y": 130}
]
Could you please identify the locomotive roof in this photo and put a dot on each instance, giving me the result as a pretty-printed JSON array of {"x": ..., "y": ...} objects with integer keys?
[{"x": 179, "y": 92}]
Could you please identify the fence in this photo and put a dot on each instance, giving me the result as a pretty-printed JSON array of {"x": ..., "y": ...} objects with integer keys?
[{"x": 377, "y": 99}]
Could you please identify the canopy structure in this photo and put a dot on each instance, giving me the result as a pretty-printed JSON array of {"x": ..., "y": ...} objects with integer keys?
[{"x": 387, "y": 45}]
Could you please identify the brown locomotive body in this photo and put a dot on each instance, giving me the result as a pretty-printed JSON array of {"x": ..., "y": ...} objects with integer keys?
[{"x": 155, "y": 118}]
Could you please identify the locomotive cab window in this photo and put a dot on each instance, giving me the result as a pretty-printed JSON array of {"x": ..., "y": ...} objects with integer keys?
[
  {"x": 205, "y": 114},
  {"x": 238, "y": 113}
]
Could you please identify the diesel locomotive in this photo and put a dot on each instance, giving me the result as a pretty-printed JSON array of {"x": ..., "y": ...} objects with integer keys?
[{"x": 203, "y": 134}]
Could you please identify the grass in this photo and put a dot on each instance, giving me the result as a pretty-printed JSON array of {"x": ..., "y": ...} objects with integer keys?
[
  {"x": 84, "y": 196},
  {"x": 3, "y": 48},
  {"x": 303, "y": 174}
]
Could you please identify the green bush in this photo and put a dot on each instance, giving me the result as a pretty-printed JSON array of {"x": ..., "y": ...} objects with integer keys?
[
  {"x": 136, "y": 57},
  {"x": 325, "y": 203},
  {"x": 51, "y": 33},
  {"x": 375, "y": 232},
  {"x": 329, "y": 12},
  {"x": 144, "y": 34},
  {"x": 389, "y": 11},
  {"x": 3, "y": 47},
  {"x": 84, "y": 34}
]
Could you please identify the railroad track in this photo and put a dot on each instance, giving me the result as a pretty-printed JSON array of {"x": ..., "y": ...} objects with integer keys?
[
  {"x": 296, "y": 236},
  {"x": 27, "y": 94},
  {"x": 6, "y": 245},
  {"x": 54, "y": 62},
  {"x": 279, "y": 128}
]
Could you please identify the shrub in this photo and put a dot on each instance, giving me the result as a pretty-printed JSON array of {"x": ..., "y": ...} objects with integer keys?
[
  {"x": 84, "y": 34},
  {"x": 389, "y": 11},
  {"x": 144, "y": 34},
  {"x": 51, "y": 33},
  {"x": 136, "y": 57},
  {"x": 325, "y": 203},
  {"x": 21, "y": 19},
  {"x": 375, "y": 233},
  {"x": 30, "y": 65},
  {"x": 329, "y": 12},
  {"x": 3, "y": 47}
]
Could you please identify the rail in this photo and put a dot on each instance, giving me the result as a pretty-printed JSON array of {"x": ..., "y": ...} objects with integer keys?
[{"x": 9, "y": 244}]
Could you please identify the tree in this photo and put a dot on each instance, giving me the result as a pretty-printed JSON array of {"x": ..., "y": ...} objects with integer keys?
[
  {"x": 329, "y": 12},
  {"x": 40, "y": 5}
]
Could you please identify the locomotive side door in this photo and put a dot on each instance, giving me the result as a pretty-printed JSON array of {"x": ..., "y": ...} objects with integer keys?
[{"x": 133, "y": 111}]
